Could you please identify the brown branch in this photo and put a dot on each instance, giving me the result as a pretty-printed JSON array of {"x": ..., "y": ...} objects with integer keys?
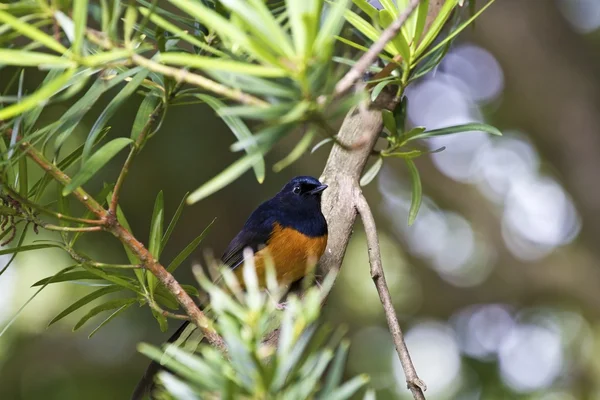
[
  {"x": 110, "y": 224},
  {"x": 357, "y": 71},
  {"x": 416, "y": 385}
]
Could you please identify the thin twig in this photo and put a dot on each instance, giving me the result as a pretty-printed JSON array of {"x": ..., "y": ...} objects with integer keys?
[
  {"x": 114, "y": 201},
  {"x": 51, "y": 227},
  {"x": 154, "y": 305},
  {"x": 357, "y": 71},
  {"x": 182, "y": 75},
  {"x": 87, "y": 261},
  {"x": 416, "y": 385}
]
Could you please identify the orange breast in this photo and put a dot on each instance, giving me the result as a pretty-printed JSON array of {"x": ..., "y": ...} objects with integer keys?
[{"x": 293, "y": 253}]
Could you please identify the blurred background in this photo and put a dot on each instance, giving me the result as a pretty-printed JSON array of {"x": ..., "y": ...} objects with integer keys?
[{"x": 497, "y": 284}]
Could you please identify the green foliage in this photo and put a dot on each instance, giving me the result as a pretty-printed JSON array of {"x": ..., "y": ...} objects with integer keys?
[
  {"x": 307, "y": 362},
  {"x": 268, "y": 68}
]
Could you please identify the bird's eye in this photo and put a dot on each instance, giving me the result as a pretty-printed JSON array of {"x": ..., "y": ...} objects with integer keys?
[{"x": 296, "y": 189}]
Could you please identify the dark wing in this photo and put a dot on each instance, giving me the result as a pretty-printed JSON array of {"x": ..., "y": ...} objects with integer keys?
[{"x": 254, "y": 234}]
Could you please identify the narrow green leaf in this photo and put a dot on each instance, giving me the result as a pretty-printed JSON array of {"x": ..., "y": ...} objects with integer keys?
[
  {"x": 140, "y": 274},
  {"x": 168, "y": 26},
  {"x": 109, "y": 305},
  {"x": 96, "y": 162},
  {"x": 85, "y": 300},
  {"x": 142, "y": 118},
  {"x": 38, "y": 98},
  {"x": 300, "y": 148},
  {"x": 272, "y": 112},
  {"x": 109, "y": 318},
  {"x": 368, "y": 30},
  {"x": 399, "y": 41},
  {"x": 171, "y": 227},
  {"x": 417, "y": 191},
  {"x": 73, "y": 116},
  {"x": 421, "y": 12},
  {"x": 112, "y": 277},
  {"x": 367, "y": 8},
  {"x": 210, "y": 63},
  {"x": 106, "y": 57},
  {"x": 80, "y": 10},
  {"x": 379, "y": 88},
  {"x": 32, "y": 32},
  {"x": 470, "y": 127},
  {"x": 162, "y": 321},
  {"x": 389, "y": 122},
  {"x": 240, "y": 130},
  {"x": 296, "y": 10},
  {"x": 105, "y": 12},
  {"x": 259, "y": 20},
  {"x": 156, "y": 228},
  {"x": 23, "y": 177},
  {"x": 371, "y": 172},
  {"x": 20, "y": 249},
  {"x": 228, "y": 175},
  {"x": 436, "y": 26},
  {"x": 458, "y": 30},
  {"x": 110, "y": 110},
  {"x": 185, "y": 253},
  {"x": 129, "y": 22},
  {"x": 349, "y": 388},
  {"x": 336, "y": 372},
  {"x": 24, "y": 58},
  {"x": 156, "y": 232},
  {"x": 66, "y": 277},
  {"x": 215, "y": 21},
  {"x": 331, "y": 28},
  {"x": 14, "y": 318},
  {"x": 254, "y": 85}
]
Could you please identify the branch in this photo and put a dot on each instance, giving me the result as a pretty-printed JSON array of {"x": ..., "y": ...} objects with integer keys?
[
  {"x": 110, "y": 224},
  {"x": 358, "y": 70},
  {"x": 416, "y": 385}
]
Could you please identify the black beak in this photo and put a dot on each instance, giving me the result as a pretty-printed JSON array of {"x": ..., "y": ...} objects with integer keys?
[{"x": 318, "y": 189}]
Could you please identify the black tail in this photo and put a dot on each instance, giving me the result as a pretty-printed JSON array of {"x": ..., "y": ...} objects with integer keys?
[{"x": 146, "y": 384}]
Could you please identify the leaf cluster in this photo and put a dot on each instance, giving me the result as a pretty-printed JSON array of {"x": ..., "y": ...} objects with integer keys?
[{"x": 307, "y": 362}]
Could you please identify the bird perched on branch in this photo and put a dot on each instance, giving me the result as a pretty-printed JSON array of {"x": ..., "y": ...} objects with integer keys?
[{"x": 289, "y": 228}]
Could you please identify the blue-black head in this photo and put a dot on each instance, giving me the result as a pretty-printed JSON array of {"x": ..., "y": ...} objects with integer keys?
[
  {"x": 303, "y": 188},
  {"x": 298, "y": 205}
]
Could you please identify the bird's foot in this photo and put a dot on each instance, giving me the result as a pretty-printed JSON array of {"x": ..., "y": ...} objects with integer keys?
[{"x": 281, "y": 306}]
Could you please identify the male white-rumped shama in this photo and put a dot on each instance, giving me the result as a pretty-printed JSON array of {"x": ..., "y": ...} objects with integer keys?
[{"x": 290, "y": 227}]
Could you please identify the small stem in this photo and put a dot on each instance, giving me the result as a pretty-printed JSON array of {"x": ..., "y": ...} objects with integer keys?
[
  {"x": 352, "y": 76},
  {"x": 165, "y": 313},
  {"x": 416, "y": 385},
  {"x": 86, "y": 260},
  {"x": 114, "y": 201},
  {"x": 181, "y": 75},
  {"x": 51, "y": 227}
]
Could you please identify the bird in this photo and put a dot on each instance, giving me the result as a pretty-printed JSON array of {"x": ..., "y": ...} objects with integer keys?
[{"x": 289, "y": 228}]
